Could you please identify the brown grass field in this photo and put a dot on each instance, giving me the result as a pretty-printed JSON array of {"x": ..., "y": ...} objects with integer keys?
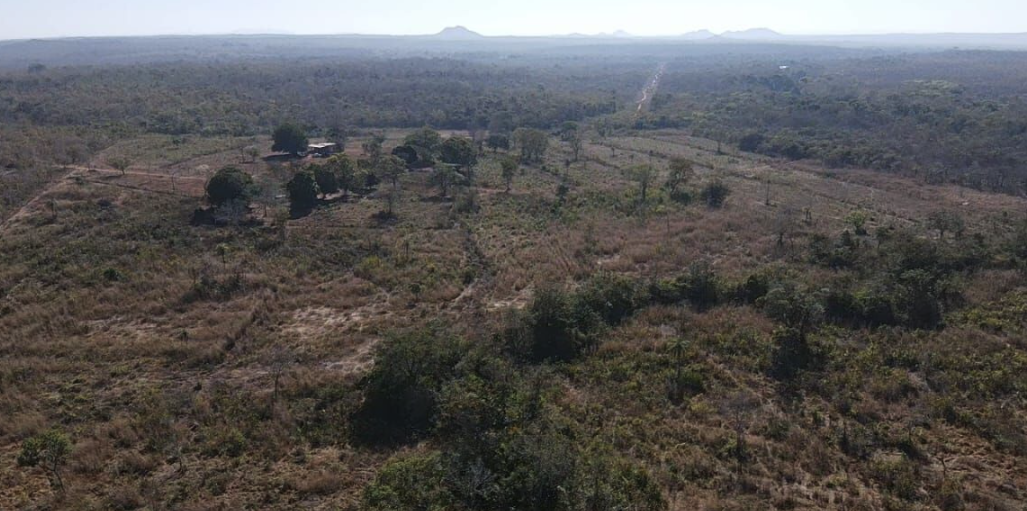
[{"x": 103, "y": 335}]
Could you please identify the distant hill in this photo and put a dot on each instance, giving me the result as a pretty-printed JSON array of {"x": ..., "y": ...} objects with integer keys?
[
  {"x": 754, "y": 34},
  {"x": 458, "y": 33},
  {"x": 698, "y": 35}
]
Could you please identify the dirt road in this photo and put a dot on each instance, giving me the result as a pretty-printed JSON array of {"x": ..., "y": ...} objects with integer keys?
[{"x": 649, "y": 91}]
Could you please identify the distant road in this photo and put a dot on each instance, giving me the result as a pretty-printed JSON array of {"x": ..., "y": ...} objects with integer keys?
[{"x": 649, "y": 91}]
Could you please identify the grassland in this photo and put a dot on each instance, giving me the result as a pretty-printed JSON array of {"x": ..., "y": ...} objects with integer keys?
[{"x": 196, "y": 367}]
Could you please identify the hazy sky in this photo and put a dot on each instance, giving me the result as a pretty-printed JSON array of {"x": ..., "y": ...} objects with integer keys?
[{"x": 51, "y": 18}]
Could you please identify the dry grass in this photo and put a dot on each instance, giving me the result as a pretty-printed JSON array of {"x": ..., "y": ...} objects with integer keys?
[{"x": 141, "y": 375}]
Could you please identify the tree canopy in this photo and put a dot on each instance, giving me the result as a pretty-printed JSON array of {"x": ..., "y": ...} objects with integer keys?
[
  {"x": 229, "y": 184},
  {"x": 290, "y": 138}
]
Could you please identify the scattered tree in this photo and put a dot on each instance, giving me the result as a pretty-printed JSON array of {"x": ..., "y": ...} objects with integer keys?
[
  {"x": 302, "y": 190},
  {"x": 290, "y": 138},
  {"x": 508, "y": 168},
  {"x": 532, "y": 143},
  {"x": 443, "y": 177},
  {"x": 345, "y": 174},
  {"x": 120, "y": 163},
  {"x": 946, "y": 221},
  {"x": 425, "y": 138},
  {"x": 49, "y": 451},
  {"x": 390, "y": 168},
  {"x": 229, "y": 184},
  {"x": 715, "y": 193},
  {"x": 458, "y": 151},
  {"x": 327, "y": 181},
  {"x": 373, "y": 149},
  {"x": 643, "y": 175},
  {"x": 498, "y": 141}
]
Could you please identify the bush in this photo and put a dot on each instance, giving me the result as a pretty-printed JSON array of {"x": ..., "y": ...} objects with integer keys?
[
  {"x": 48, "y": 450},
  {"x": 700, "y": 286},
  {"x": 401, "y": 392},
  {"x": 612, "y": 297},
  {"x": 229, "y": 184},
  {"x": 326, "y": 180},
  {"x": 290, "y": 138},
  {"x": 559, "y": 328},
  {"x": 302, "y": 190},
  {"x": 714, "y": 194},
  {"x": 792, "y": 354}
]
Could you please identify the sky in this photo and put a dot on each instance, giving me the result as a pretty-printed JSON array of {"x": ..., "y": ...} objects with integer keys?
[{"x": 22, "y": 19}]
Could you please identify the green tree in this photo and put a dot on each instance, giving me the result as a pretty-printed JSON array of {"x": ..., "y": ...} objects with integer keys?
[
  {"x": 345, "y": 173},
  {"x": 373, "y": 149},
  {"x": 302, "y": 190},
  {"x": 49, "y": 451},
  {"x": 458, "y": 151},
  {"x": 391, "y": 168},
  {"x": 576, "y": 140},
  {"x": 426, "y": 139},
  {"x": 508, "y": 169},
  {"x": 443, "y": 177},
  {"x": 327, "y": 181},
  {"x": 946, "y": 221},
  {"x": 120, "y": 163},
  {"x": 643, "y": 175},
  {"x": 290, "y": 138},
  {"x": 532, "y": 143},
  {"x": 229, "y": 184},
  {"x": 714, "y": 193},
  {"x": 679, "y": 173},
  {"x": 498, "y": 141}
]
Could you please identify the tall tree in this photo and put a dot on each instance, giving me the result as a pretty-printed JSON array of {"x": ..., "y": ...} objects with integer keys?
[
  {"x": 508, "y": 168},
  {"x": 390, "y": 168},
  {"x": 459, "y": 151},
  {"x": 302, "y": 190},
  {"x": 532, "y": 143},
  {"x": 345, "y": 173},
  {"x": 229, "y": 184},
  {"x": 290, "y": 138},
  {"x": 327, "y": 181}
]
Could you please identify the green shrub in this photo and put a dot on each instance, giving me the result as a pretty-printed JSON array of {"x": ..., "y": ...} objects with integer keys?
[
  {"x": 401, "y": 391},
  {"x": 612, "y": 297},
  {"x": 411, "y": 483},
  {"x": 48, "y": 450},
  {"x": 229, "y": 184},
  {"x": 559, "y": 328},
  {"x": 714, "y": 194},
  {"x": 302, "y": 190}
]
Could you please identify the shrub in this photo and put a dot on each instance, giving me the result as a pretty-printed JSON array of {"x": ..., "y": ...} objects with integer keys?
[
  {"x": 302, "y": 190},
  {"x": 612, "y": 297},
  {"x": 289, "y": 138},
  {"x": 714, "y": 194},
  {"x": 48, "y": 450},
  {"x": 700, "y": 286},
  {"x": 409, "y": 483},
  {"x": 326, "y": 180},
  {"x": 229, "y": 184},
  {"x": 792, "y": 354},
  {"x": 401, "y": 392},
  {"x": 559, "y": 329}
]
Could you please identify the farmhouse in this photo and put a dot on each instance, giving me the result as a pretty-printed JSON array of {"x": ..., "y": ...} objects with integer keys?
[{"x": 323, "y": 149}]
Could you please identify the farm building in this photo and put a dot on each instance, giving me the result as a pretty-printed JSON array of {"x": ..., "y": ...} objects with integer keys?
[{"x": 323, "y": 149}]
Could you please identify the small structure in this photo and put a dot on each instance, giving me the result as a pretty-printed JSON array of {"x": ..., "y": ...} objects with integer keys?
[{"x": 324, "y": 149}]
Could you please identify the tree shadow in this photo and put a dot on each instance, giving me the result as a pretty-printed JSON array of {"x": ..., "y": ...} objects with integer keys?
[
  {"x": 297, "y": 211},
  {"x": 283, "y": 158}
]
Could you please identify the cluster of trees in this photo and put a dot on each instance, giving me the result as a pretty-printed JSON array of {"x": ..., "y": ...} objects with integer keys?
[
  {"x": 249, "y": 97},
  {"x": 942, "y": 117}
]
